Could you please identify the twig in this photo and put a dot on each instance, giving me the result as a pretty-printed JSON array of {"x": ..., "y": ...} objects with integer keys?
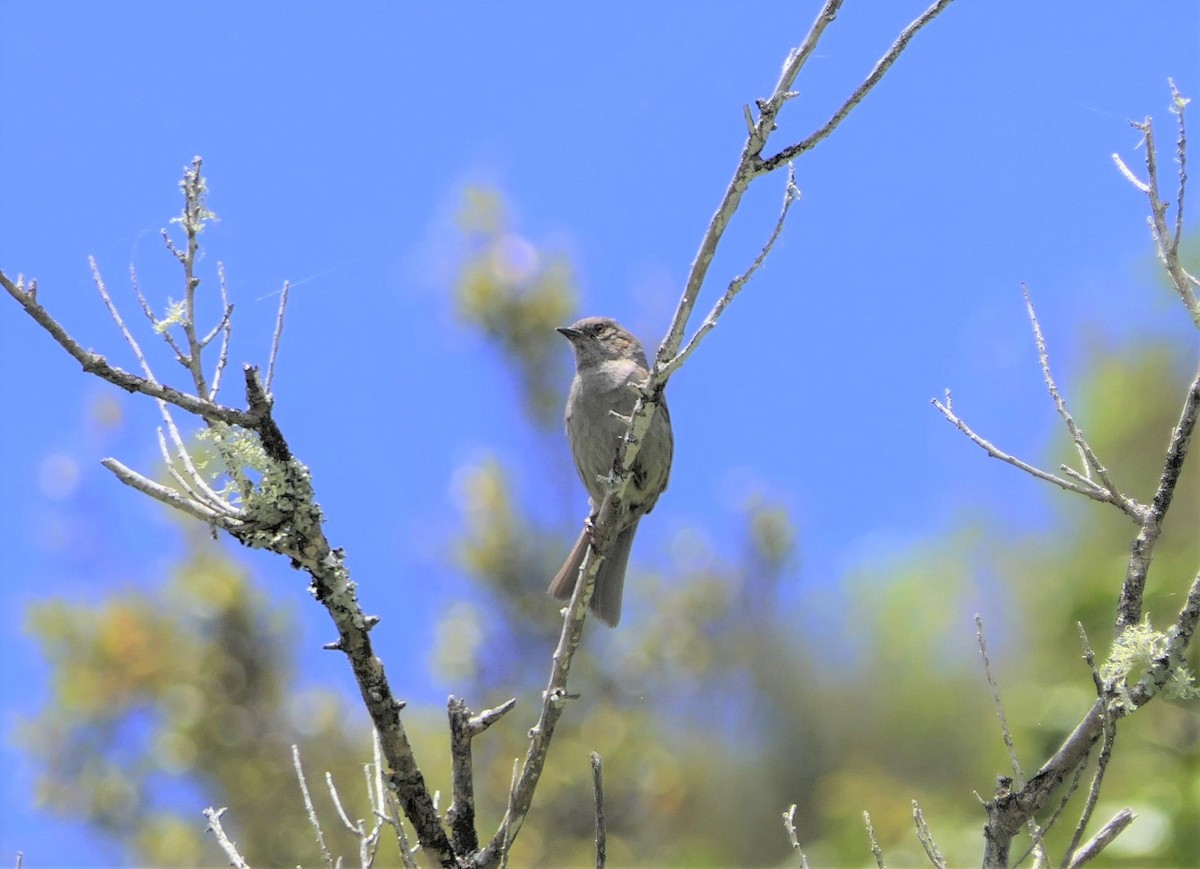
[
  {"x": 1081, "y": 487},
  {"x": 94, "y": 363},
  {"x": 506, "y": 838},
  {"x": 876, "y": 851},
  {"x": 1178, "y": 102},
  {"x": 1102, "y": 839},
  {"x": 283, "y": 300},
  {"x": 180, "y": 356},
  {"x": 1166, "y": 242},
  {"x": 1081, "y": 483},
  {"x": 1129, "y": 609},
  {"x": 790, "y": 195},
  {"x": 463, "y": 728},
  {"x": 991, "y": 680},
  {"x": 1089, "y": 805},
  {"x": 872, "y": 79},
  {"x": 789, "y": 825},
  {"x": 194, "y": 216},
  {"x": 357, "y": 829},
  {"x": 226, "y": 334},
  {"x": 1068, "y": 791},
  {"x": 598, "y": 794},
  {"x": 752, "y": 165},
  {"x": 214, "y": 826},
  {"x": 308, "y": 806},
  {"x": 116, "y": 316},
  {"x": 1091, "y": 462},
  {"x": 925, "y": 837},
  {"x": 169, "y": 496}
]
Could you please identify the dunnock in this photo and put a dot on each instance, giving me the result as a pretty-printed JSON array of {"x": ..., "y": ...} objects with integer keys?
[{"x": 609, "y": 362}]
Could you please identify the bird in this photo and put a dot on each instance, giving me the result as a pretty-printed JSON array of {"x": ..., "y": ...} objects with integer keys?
[{"x": 609, "y": 366}]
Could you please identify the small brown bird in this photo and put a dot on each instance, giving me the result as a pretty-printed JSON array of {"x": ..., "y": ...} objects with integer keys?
[{"x": 609, "y": 362}]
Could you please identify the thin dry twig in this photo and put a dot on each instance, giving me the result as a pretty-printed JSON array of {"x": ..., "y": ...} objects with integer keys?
[
  {"x": 873, "y": 78},
  {"x": 94, "y": 363},
  {"x": 1166, "y": 241},
  {"x": 1093, "y": 796},
  {"x": 790, "y": 195},
  {"x": 1129, "y": 608},
  {"x": 876, "y": 851},
  {"x": 925, "y": 837},
  {"x": 1005, "y": 731},
  {"x": 789, "y": 826},
  {"x": 214, "y": 826},
  {"x": 1104, "y": 491},
  {"x": 1079, "y": 486},
  {"x": 464, "y": 727},
  {"x": 1102, "y": 839},
  {"x": 156, "y": 323},
  {"x": 116, "y": 316},
  {"x": 226, "y": 333},
  {"x": 1091, "y": 462},
  {"x": 308, "y": 807},
  {"x": 283, "y": 300},
  {"x": 167, "y": 495},
  {"x": 598, "y": 797}
]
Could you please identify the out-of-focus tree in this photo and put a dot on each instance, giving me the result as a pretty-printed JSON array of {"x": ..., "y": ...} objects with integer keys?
[
  {"x": 183, "y": 694},
  {"x": 712, "y": 710}
]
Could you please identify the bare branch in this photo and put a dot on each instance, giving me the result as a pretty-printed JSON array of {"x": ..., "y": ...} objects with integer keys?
[
  {"x": 283, "y": 300},
  {"x": 463, "y": 728},
  {"x": 1129, "y": 176},
  {"x": 554, "y": 699},
  {"x": 991, "y": 680},
  {"x": 789, "y": 825},
  {"x": 1178, "y": 102},
  {"x": 308, "y": 806},
  {"x": 751, "y": 163},
  {"x": 153, "y": 318},
  {"x": 357, "y": 829},
  {"x": 872, "y": 79},
  {"x": 94, "y": 363},
  {"x": 790, "y": 195},
  {"x": 1110, "y": 734},
  {"x": 1166, "y": 241},
  {"x": 194, "y": 216},
  {"x": 214, "y": 826},
  {"x": 1091, "y": 463},
  {"x": 116, "y": 315},
  {"x": 226, "y": 334},
  {"x": 1102, "y": 839},
  {"x": 925, "y": 837},
  {"x": 1129, "y": 609},
  {"x": 1105, "y": 490},
  {"x": 169, "y": 496},
  {"x": 507, "y": 839},
  {"x": 601, "y": 831},
  {"x": 876, "y": 851},
  {"x": 1082, "y": 487}
]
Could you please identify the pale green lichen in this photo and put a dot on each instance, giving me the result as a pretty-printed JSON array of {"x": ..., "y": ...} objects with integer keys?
[
  {"x": 173, "y": 317},
  {"x": 1138, "y": 655}
]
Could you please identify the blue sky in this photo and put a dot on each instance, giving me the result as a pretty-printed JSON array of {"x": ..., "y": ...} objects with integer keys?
[{"x": 338, "y": 140}]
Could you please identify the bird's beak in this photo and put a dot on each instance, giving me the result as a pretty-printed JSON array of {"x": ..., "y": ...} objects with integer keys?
[{"x": 568, "y": 333}]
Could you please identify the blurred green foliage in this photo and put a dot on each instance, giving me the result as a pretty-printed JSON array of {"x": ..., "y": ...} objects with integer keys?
[
  {"x": 185, "y": 690},
  {"x": 713, "y": 706}
]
